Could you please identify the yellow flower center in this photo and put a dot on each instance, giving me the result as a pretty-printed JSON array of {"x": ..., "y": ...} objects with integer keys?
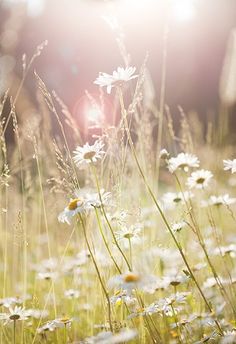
[
  {"x": 183, "y": 165},
  {"x": 128, "y": 235},
  {"x": 131, "y": 278},
  {"x": 64, "y": 320},
  {"x": 89, "y": 155},
  {"x": 74, "y": 204}
]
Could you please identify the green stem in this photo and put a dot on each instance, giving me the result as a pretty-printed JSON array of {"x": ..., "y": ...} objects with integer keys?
[
  {"x": 130, "y": 254},
  {"x": 162, "y": 214},
  {"x": 14, "y": 332},
  {"x": 106, "y": 218},
  {"x": 98, "y": 272},
  {"x": 65, "y": 334},
  {"x": 196, "y": 230},
  {"x": 105, "y": 241}
]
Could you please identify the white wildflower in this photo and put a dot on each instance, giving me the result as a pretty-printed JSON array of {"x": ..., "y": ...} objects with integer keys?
[
  {"x": 117, "y": 78},
  {"x": 75, "y": 206},
  {"x": 171, "y": 199},
  {"x": 182, "y": 161},
  {"x": 88, "y": 153},
  {"x": 230, "y": 165},
  {"x": 199, "y": 179}
]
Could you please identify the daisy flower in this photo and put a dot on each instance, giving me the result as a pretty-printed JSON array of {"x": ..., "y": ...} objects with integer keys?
[
  {"x": 52, "y": 325},
  {"x": 15, "y": 314},
  {"x": 96, "y": 201},
  {"x": 219, "y": 200},
  {"x": 10, "y": 301},
  {"x": 172, "y": 199},
  {"x": 47, "y": 276},
  {"x": 230, "y": 165},
  {"x": 49, "y": 326},
  {"x": 123, "y": 297},
  {"x": 107, "y": 337},
  {"x": 164, "y": 154},
  {"x": 117, "y": 78},
  {"x": 75, "y": 206},
  {"x": 88, "y": 153},
  {"x": 178, "y": 226},
  {"x": 129, "y": 233},
  {"x": 199, "y": 179},
  {"x": 71, "y": 294},
  {"x": 182, "y": 161},
  {"x": 229, "y": 337},
  {"x": 37, "y": 313},
  {"x": 130, "y": 280}
]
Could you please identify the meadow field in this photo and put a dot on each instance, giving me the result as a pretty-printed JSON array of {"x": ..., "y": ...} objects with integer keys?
[{"x": 123, "y": 231}]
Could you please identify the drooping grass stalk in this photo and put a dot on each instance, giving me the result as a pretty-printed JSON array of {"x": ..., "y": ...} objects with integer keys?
[
  {"x": 105, "y": 241},
  {"x": 106, "y": 218},
  {"x": 52, "y": 108},
  {"x": 124, "y": 116},
  {"x": 26, "y": 70},
  {"x": 98, "y": 272}
]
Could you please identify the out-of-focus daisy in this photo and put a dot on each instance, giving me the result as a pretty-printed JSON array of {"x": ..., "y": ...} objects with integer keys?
[
  {"x": 15, "y": 314},
  {"x": 117, "y": 78},
  {"x": 229, "y": 337},
  {"x": 37, "y": 313},
  {"x": 230, "y": 165},
  {"x": 129, "y": 233},
  {"x": 223, "y": 250},
  {"x": 130, "y": 280},
  {"x": 164, "y": 154},
  {"x": 49, "y": 326},
  {"x": 178, "y": 226},
  {"x": 219, "y": 200},
  {"x": 75, "y": 206},
  {"x": 97, "y": 200},
  {"x": 125, "y": 335},
  {"x": 123, "y": 297},
  {"x": 182, "y": 161},
  {"x": 88, "y": 153},
  {"x": 47, "y": 275},
  {"x": 62, "y": 322},
  {"x": 172, "y": 199},
  {"x": 199, "y": 179},
  {"x": 10, "y": 301},
  {"x": 52, "y": 325},
  {"x": 72, "y": 294}
]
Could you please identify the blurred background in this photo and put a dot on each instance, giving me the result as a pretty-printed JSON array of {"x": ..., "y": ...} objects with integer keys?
[{"x": 82, "y": 41}]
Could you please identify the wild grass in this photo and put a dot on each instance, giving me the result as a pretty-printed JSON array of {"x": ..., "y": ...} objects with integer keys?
[{"x": 152, "y": 262}]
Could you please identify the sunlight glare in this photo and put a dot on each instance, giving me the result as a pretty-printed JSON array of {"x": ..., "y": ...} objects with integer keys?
[
  {"x": 184, "y": 10},
  {"x": 94, "y": 114}
]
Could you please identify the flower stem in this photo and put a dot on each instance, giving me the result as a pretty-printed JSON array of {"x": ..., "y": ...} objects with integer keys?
[
  {"x": 105, "y": 241},
  {"x": 14, "y": 332},
  {"x": 98, "y": 272},
  {"x": 106, "y": 218},
  {"x": 130, "y": 254},
  {"x": 161, "y": 212}
]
